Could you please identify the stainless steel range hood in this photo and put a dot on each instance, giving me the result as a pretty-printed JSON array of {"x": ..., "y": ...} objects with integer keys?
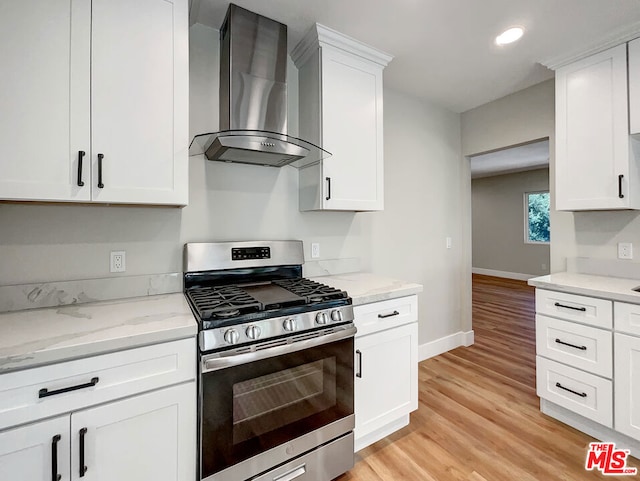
[{"x": 253, "y": 97}]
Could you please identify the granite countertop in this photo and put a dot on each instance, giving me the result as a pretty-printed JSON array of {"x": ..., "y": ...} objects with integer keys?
[
  {"x": 365, "y": 288},
  {"x": 41, "y": 336},
  {"x": 614, "y": 288}
]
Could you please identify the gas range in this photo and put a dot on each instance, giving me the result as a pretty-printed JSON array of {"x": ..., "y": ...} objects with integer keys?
[
  {"x": 249, "y": 293},
  {"x": 276, "y": 364}
]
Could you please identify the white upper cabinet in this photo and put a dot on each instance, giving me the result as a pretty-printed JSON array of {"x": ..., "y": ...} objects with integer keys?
[
  {"x": 44, "y": 99},
  {"x": 634, "y": 86},
  {"x": 595, "y": 169},
  {"x": 107, "y": 78},
  {"x": 341, "y": 111}
]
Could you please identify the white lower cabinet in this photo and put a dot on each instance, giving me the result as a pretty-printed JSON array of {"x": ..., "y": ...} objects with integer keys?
[
  {"x": 386, "y": 369},
  {"x": 146, "y": 437},
  {"x": 38, "y": 452},
  {"x": 627, "y": 386},
  {"x": 135, "y": 420},
  {"x": 588, "y": 365}
]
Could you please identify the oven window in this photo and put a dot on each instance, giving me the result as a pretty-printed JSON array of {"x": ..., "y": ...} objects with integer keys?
[
  {"x": 270, "y": 402},
  {"x": 250, "y": 408}
]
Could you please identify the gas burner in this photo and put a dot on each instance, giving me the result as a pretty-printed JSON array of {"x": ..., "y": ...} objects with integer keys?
[
  {"x": 229, "y": 313},
  {"x": 222, "y": 301},
  {"x": 313, "y": 291}
]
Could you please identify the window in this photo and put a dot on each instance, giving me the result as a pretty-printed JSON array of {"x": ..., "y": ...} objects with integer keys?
[{"x": 536, "y": 213}]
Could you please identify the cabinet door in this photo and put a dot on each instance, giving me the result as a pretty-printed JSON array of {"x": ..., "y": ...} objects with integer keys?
[
  {"x": 139, "y": 88},
  {"x": 44, "y": 99},
  {"x": 627, "y": 385},
  {"x": 386, "y": 386},
  {"x": 36, "y": 452},
  {"x": 592, "y": 136},
  {"x": 147, "y": 437},
  {"x": 352, "y": 132},
  {"x": 634, "y": 86}
]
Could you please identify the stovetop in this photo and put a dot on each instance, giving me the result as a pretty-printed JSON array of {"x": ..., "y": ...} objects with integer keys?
[{"x": 227, "y": 305}]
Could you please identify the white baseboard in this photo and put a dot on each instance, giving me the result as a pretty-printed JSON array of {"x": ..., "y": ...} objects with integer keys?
[
  {"x": 444, "y": 344},
  {"x": 508, "y": 275}
]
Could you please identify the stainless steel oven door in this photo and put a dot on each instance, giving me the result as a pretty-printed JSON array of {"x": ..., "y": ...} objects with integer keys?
[{"x": 262, "y": 408}]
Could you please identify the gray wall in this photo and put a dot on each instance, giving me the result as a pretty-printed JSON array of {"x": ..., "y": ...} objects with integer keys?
[
  {"x": 423, "y": 166},
  {"x": 528, "y": 115},
  {"x": 499, "y": 223}
]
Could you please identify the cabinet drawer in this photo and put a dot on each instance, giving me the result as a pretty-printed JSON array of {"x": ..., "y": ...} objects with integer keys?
[
  {"x": 579, "y": 346},
  {"x": 583, "y": 393},
  {"x": 627, "y": 317},
  {"x": 383, "y": 315},
  {"x": 587, "y": 310},
  {"x": 69, "y": 386}
]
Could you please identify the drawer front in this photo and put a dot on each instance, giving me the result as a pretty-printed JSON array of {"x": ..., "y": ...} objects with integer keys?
[
  {"x": 627, "y": 317},
  {"x": 80, "y": 383},
  {"x": 571, "y": 307},
  {"x": 382, "y": 315},
  {"x": 579, "y": 346},
  {"x": 583, "y": 393}
]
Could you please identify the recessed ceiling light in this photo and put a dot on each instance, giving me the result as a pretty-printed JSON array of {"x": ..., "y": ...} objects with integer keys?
[{"x": 510, "y": 35}]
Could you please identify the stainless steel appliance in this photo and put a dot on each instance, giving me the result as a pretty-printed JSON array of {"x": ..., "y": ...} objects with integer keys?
[
  {"x": 253, "y": 97},
  {"x": 276, "y": 364}
]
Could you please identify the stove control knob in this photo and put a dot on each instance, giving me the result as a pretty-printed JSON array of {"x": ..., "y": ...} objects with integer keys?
[
  {"x": 336, "y": 316},
  {"x": 231, "y": 336},
  {"x": 253, "y": 332},
  {"x": 321, "y": 318},
  {"x": 290, "y": 325}
]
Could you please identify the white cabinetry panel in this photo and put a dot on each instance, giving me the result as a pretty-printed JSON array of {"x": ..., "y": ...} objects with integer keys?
[
  {"x": 44, "y": 98},
  {"x": 627, "y": 394},
  {"x": 136, "y": 87},
  {"x": 579, "y": 346},
  {"x": 27, "y": 453},
  {"x": 572, "y": 307},
  {"x": 592, "y": 135},
  {"x": 147, "y": 437},
  {"x": 583, "y": 393},
  {"x": 386, "y": 387}
]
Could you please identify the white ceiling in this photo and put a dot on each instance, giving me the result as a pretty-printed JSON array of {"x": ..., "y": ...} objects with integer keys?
[
  {"x": 515, "y": 159},
  {"x": 444, "y": 49}
]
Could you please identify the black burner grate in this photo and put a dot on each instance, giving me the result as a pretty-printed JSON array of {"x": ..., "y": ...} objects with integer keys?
[
  {"x": 222, "y": 302},
  {"x": 312, "y": 291}
]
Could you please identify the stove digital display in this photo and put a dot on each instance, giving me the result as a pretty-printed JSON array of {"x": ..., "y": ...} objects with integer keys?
[{"x": 249, "y": 253}]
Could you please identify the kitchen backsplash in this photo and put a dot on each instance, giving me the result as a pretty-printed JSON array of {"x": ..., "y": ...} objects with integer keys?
[{"x": 51, "y": 294}]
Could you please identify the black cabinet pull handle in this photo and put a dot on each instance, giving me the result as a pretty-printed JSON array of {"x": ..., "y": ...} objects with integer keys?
[
  {"x": 100, "y": 184},
  {"x": 44, "y": 392},
  {"x": 80, "y": 159},
  {"x": 582, "y": 348},
  {"x": 328, "y": 188},
  {"x": 582, "y": 309},
  {"x": 383, "y": 316},
  {"x": 54, "y": 458},
  {"x": 581, "y": 394},
  {"x": 359, "y": 354},
  {"x": 620, "y": 194},
  {"x": 83, "y": 468}
]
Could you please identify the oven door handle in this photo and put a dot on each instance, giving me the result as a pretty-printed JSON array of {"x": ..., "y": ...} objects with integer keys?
[{"x": 225, "y": 359}]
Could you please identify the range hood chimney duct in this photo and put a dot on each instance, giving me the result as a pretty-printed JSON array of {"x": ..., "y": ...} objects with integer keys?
[{"x": 253, "y": 97}]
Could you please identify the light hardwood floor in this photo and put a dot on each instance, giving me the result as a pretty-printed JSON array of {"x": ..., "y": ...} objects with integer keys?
[{"x": 478, "y": 417}]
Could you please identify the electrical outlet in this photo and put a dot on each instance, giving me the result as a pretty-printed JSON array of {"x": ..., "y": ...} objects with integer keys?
[
  {"x": 117, "y": 261},
  {"x": 315, "y": 250},
  {"x": 625, "y": 250},
  {"x": 448, "y": 242}
]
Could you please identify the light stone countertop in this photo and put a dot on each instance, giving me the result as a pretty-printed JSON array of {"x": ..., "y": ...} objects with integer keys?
[
  {"x": 614, "y": 288},
  {"x": 35, "y": 337},
  {"x": 42, "y": 336},
  {"x": 365, "y": 288}
]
